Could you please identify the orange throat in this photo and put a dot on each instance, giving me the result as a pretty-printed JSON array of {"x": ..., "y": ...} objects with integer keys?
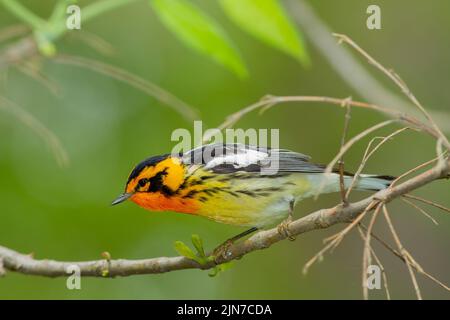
[{"x": 160, "y": 202}]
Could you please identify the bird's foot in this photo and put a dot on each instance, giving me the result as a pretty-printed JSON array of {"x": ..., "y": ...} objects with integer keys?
[
  {"x": 222, "y": 251},
  {"x": 283, "y": 229}
]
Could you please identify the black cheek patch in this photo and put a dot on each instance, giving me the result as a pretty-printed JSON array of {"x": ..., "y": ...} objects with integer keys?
[{"x": 156, "y": 183}]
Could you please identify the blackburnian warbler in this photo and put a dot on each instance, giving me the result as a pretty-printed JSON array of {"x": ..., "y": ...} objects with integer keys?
[{"x": 234, "y": 183}]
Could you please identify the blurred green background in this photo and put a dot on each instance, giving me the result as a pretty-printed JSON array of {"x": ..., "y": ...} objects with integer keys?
[{"x": 107, "y": 127}]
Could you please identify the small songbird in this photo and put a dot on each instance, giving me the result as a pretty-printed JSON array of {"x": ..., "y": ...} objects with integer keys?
[{"x": 236, "y": 184}]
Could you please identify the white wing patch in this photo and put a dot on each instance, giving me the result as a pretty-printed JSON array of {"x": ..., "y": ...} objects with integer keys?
[{"x": 240, "y": 159}]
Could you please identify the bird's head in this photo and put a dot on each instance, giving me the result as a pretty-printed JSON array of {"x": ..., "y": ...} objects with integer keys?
[{"x": 152, "y": 180}]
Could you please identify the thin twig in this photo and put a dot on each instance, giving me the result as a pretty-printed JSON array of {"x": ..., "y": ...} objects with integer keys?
[
  {"x": 415, "y": 169},
  {"x": 368, "y": 154},
  {"x": 329, "y": 168},
  {"x": 366, "y": 252},
  {"x": 426, "y": 214},
  {"x": 337, "y": 238},
  {"x": 13, "y": 31},
  {"x": 403, "y": 252},
  {"x": 95, "y": 42},
  {"x": 32, "y": 71},
  {"x": 398, "y": 255},
  {"x": 431, "y": 203},
  {"x": 41, "y": 130},
  {"x": 270, "y": 101},
  {"x": 345, "y": 64},
  {"x": 341, "y": 160},
  {"x": 133, "y": 80},
  {"x": 398, "y": 81},
  {"x": 378, "y": 261}
]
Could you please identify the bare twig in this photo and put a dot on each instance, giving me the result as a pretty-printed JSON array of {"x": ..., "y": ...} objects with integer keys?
[
  {"x": 378, "y": 261},
  {"x": 398, "y": 81},
  {"x": 329, "y": 168},
  {"x": 337, "y": 238},
  {"x": 341, "y": 160},
  {"x": 32, "y": 71},
  {"x": 366, "y": 252},
  {"x": 13, "y": 31},
  {"x": 411, "y": 171},
  {"x": 350, "y": 69},
  {"x": 48, "y": 136},
  {"x": 271, "y": 101},
  {"x": 431, "y": 203},
  {"x": 131, "y": 79},
  {"x": 398, "y": 255},
  {"x": 94, "y": 41},
  {"x": 404, "y": 253},
  {"x": 368, "y": 154},
  {"x": 352, "y": 141},
  {"x": 426, "y": 214}
]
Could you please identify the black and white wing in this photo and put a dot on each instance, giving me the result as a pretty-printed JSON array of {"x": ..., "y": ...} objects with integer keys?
[{"x": 229, "y": 158}]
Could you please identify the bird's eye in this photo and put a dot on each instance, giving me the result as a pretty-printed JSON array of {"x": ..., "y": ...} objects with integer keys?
[{"x": 142, "y": 182}]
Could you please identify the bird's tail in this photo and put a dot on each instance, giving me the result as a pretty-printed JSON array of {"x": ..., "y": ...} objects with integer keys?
[{"x": 373, "y": 182}]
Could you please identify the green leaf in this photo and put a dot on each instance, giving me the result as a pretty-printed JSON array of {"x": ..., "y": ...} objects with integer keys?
[
  {"x": 198, "y": 244},
  {"x": 220, "y": 268},
  {"x": 200, "y": 32},
  {"x": 184, "y": 250},
  {"x": 267, "y": 21}
]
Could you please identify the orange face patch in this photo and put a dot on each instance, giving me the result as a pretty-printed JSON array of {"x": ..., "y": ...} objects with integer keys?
[{"x": 159, "y": 202}]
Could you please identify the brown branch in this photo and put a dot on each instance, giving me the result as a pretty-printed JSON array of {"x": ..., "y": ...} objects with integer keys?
[
  {"x": 271, "y": 101},
  {"x": 320, "y": 219}
]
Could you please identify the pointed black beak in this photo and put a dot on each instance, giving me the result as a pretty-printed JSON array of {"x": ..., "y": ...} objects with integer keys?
[{"x": 121, "y": 198}]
